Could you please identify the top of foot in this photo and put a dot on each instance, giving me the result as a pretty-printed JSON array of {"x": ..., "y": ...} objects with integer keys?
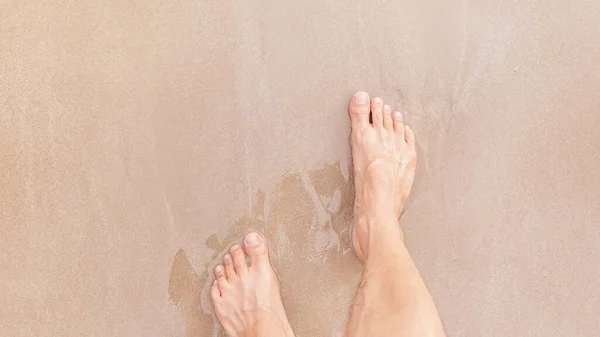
[
  {"x": 384, "y": 158},
  {"x": 246, "y": 296}
]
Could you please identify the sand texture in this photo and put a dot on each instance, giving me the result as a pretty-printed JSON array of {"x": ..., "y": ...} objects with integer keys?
[{"x": 140, "y": 139}]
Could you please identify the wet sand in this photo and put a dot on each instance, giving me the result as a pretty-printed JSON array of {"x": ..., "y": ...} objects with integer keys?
[{"x": 140, "y": 140}]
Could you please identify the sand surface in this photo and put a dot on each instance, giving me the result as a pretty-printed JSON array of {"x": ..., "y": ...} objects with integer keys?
[{"x": 140, "y": 139}]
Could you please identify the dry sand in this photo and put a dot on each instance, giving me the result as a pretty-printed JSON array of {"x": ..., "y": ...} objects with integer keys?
[{"x": 139, "y": 140}]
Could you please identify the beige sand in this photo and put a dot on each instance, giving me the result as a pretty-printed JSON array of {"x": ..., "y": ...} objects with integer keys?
[{"x": 139, "y": 140}]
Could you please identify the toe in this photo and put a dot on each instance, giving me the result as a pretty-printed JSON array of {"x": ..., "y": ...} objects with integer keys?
[
  {"x": 377, "y": 111},
  {"x": 223, "y": 283},
  {"x": 228, "y": 263},
  {"x": 215, "y": 293},
  {"x": 221, "y": 279},
  {"x": 399, "y": 125},
  {"x": 359, "y": 110},
  {"x": 239, "y": 260},
  {"x": 409, "y": 135},
  {"x": 388, "y": 124},
  {"x": 219, "y": 272},
  {"x": 257, "y": 250}
]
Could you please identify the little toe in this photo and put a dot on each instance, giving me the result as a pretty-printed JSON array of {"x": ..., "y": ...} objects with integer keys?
[
  {"x": 239, "y": 260},
  {"x": 228, "y": 263},
  {"x": 256, "y": 248},
  {"x": 377, "y": 112},
  {"x": 215, "y": 293},
  {"x": 388, "y": 124},
  {"x": 359, "y": 110}
]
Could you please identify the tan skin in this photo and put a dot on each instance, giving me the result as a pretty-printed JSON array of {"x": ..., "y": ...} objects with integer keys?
[{"x": 392, "y": 299}]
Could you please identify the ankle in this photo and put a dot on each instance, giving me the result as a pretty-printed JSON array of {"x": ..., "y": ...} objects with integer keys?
[{"x": 375, "y": 217}]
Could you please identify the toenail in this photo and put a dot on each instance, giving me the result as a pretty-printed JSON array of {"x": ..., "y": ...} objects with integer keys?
[
  {"x": 252, "y": 240},
  {"x": 387, "y": 107},
  {"x": 377, "y": 100},
  {"x": 234, "y": 248},
  {"x": 361, "y": 98},
  {"x": 226, "y": 257},
  {"x": 397, "y": 114},
  {"x": 218, "y": 269}
]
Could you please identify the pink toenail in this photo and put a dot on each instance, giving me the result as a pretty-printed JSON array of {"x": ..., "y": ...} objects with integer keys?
[
  {"x": 377, "y": 100},
  {"x": 397, "y": 114},
  {"x": 361, "y": 98},
  {"x": 234, "y": 248},
  {"x": 218, "y": 269},
  {"x": 252, "y": 240},
  {"x": 387, "y": 107}
]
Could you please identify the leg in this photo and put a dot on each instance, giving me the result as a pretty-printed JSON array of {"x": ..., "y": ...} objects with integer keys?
[
  {"x": 246, "y": 297},
  {"x": 392, "y": 299}
]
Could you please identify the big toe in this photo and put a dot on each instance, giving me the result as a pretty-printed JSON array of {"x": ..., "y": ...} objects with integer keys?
[
  {"x": 256, "y": 248},
  {"x": 359, "y": 109}
]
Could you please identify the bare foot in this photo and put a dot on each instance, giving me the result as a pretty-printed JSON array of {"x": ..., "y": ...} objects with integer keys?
[
  {"x": 384, "y": 160},
  {"x": 246, "y": 298}
]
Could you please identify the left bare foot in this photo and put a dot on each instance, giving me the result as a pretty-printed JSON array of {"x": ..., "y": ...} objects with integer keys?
[{"x": 246, "y": 297}]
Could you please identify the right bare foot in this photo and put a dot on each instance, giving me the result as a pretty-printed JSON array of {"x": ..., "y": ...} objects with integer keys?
[
  {"x": 246, "y": 298},
  {"x": 384, "y": 160}
]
